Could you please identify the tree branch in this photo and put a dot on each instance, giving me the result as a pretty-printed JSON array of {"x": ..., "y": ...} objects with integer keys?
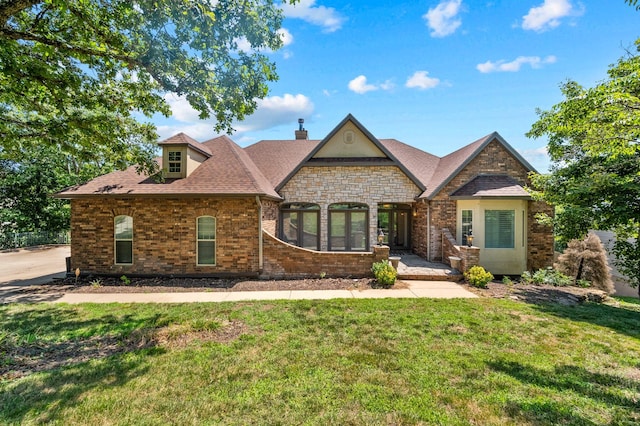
[{"x": 8, "y": 8}]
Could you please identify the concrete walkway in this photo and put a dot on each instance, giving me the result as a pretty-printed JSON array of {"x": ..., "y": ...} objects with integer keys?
[{"x": 417, "y": 289}]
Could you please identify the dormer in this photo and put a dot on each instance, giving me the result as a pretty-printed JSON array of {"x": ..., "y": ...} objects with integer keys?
[{"x": 181, "y": 155}]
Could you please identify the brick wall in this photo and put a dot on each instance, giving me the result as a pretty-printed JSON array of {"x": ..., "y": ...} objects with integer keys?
[
  {"x": 270, "y": 212},
  {"x": 282, "y": 260},
  {"x": 349, "y": 184},
  {"x": 164, "y": 235},
  {"x": 540, "y": 242},
  {"x": 494, "y": 159}
]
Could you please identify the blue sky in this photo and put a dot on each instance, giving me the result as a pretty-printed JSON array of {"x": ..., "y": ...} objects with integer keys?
[{"x": 434, "y": 74}]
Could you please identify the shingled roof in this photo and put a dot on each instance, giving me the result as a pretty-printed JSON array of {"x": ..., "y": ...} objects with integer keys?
[
  {"x": 264, "y": 167},
  {"x": 228, "y": 171},
  {"x": 491, "y": 186}
]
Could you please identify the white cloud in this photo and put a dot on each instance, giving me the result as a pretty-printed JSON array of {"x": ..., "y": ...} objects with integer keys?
[
  {"x": 326, "y": 17},
  {"x": 360, "y": 86},
  {"x": 276, "y": 110},
  {"x": 387, "y": 85},
  {"x": 422, "y": 81},
  {"x": 548, "y": 15},
  {"x": 515, "y": 65},
  {"x": 537, "y": 157},
  {"x": 245, "y": 46},
  {"x": 270, "y": 112},
  {"x": 442, "y": 18}
]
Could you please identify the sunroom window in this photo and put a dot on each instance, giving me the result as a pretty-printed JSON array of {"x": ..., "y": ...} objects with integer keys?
[
  {"x": 299, "y": 225},
  {"x": 348, "y": 226}
]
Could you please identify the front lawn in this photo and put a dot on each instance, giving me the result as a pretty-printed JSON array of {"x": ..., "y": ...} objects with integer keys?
[{"x": 395, "y": 361}]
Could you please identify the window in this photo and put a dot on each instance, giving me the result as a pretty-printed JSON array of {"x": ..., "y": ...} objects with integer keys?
[
  {"x": 467, "y": 225},
  {"x": 175, "y": 161},
  {"x": 123, "y": 237},
  {"x": 499, "y": 228},
  {"x": 299, "y": 225},
  {"x": 206, "y": 241},
  {"x": 348, "y": 227}
]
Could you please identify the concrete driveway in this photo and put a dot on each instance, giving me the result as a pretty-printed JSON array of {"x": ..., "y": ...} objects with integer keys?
[{"x": 33, "y": 265}]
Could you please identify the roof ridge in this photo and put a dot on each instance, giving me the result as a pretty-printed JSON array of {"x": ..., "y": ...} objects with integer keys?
[{"x": 243, "y": 158}]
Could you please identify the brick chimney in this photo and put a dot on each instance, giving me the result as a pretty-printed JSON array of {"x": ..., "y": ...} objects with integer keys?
[{"x": 301, "y": 133}]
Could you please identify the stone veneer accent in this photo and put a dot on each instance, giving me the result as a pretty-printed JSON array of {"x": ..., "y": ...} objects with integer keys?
[
  {"x": 164, "y": 235},
  {"x": 349, "y": 184},
  {"x": 494, "y": 159},
  {"x": 282, "y": 260}
]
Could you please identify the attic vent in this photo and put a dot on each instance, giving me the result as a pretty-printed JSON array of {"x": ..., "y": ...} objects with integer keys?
[{"x": 348, "y": 137}]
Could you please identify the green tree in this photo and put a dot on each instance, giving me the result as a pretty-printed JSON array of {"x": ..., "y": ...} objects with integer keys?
[
  {"x": 26, "y": 186},
  {"x": 594, "y": 147},
  {"x": 76, "y": 74}
]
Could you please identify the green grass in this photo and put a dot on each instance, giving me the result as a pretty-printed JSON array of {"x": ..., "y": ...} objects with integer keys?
[{"x": 369, "y": 362}]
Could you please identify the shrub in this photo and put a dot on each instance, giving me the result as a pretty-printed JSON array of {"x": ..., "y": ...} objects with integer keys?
[
  {"x": 478, "y": 277},
  {"x": 385, "y": 273},
  {"x": 547, "y": 276},
  {"x": 587, "y": 260}
]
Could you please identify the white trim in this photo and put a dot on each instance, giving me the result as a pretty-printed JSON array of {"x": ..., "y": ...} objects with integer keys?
[
  {"x": 198, "y": 240},
  {"x": 115, "y": 241}
]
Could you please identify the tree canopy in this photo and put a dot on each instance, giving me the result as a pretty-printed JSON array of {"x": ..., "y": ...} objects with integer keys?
[
  {"x": 79, "y": 75},
  {"x": 594, "y": 147}
]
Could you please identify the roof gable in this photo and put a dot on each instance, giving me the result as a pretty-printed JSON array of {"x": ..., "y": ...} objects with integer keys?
[
  {"x": 450, "y": 165},
  {"x": 350, "y": 140}
]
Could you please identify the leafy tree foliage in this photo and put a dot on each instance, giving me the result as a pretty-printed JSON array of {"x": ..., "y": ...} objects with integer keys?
[
  {"x": 594, "y": 136},
  {"x": 76, "y": 74},
  {"x": 26, "y": 204}
]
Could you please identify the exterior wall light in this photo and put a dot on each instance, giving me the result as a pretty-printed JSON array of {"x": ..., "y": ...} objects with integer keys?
[
  {"x": 380, "y": 237},
  {"x": 470, "y": 239}
]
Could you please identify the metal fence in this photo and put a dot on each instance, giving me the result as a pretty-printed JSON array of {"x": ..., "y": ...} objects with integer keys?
[{"x": 9, "y": 240}]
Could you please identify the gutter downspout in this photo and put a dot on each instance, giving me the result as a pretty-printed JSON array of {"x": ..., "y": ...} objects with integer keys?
[
  {"x": 260, "y": 253},
  {"x": 428, "y": 231}
]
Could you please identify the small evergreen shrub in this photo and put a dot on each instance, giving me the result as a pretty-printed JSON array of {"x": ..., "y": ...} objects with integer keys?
[
  {"x": 385, "y": 273},
  {"x": 477, "y": 276}
]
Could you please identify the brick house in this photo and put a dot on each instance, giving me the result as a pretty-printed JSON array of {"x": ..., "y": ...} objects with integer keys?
[{"x": 302, "y": 207}]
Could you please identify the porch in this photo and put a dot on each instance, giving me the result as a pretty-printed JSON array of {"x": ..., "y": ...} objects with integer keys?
[{"x": 414, "y": 267}]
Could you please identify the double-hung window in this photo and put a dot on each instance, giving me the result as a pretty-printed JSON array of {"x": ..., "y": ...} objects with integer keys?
[
  {"x": 123, "y": 237},
  {"x": 206, "y": 241}
]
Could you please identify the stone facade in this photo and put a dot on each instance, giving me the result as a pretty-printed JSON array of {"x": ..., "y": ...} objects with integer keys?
[
  {"x": 284, "y": 260},
  {"x": 349, "y": 184},
  {"x": 164, "y": 235}
]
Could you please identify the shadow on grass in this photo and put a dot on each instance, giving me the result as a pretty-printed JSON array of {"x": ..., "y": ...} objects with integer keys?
[
  {"x": 42, "y": 397},
  {"x": 617, "y": 318},
  {"x": 51, "y": 356},
  {"x": 619, "y": 393}
]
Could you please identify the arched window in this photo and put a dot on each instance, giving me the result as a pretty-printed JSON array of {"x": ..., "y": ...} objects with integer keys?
[
  {"x": 299, "y": 225},
  {"x": 206, "y": 241},
  {"x": 123, "y": 237},
  {"x": 348, "y": 227}
]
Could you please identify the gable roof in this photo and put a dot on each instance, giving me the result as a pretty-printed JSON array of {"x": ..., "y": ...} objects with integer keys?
[
  {"x": 450, "y": 165},
  {"x": 368, "y": 135},
  {"x": 227, "y": 172},
  {"x": 182, "y": 139},
  {"x": 491, "y": 186}
]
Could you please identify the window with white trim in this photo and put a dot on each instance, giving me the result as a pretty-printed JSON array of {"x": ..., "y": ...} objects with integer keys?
[
  {"x": 123, "y": 240},
  {"x": 175, "y": 161},
  {"x": 499, "y": 228},
  {"x": 467, "y": 225},
  {"x": 206, "y": 241}
]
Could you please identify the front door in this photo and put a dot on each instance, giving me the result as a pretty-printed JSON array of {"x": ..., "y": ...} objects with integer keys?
[{"x": 395, "y": 222}]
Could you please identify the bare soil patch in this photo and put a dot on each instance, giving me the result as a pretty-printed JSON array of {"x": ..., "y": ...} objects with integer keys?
[{"x": 19, "y": 360}]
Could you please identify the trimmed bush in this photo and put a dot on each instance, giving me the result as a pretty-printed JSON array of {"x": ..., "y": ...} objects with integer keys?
[
  {"x": 385, "y": 273},
  {"x": 477, "y": 276}
]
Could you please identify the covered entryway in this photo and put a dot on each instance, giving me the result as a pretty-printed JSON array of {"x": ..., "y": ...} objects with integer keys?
[{"x": 394, "y": 220}]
